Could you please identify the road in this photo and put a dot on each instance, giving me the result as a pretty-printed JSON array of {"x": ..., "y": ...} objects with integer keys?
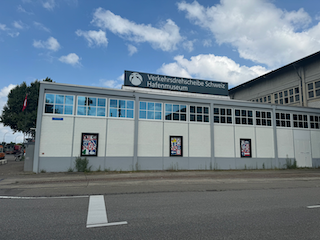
[{"x": 161, "y": 205}]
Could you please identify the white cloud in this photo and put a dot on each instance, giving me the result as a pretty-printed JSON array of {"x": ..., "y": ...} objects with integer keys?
[
  {"x": 71, "y": 58},
  {"x": 212, "y": 67},
  {"x": 3, "y": 27},
  {"x": 21, "y": 9},
  {"x": 51, "y": 44},
  {"x": 113, "y": 83},
  {"x": 259, "y": 30},
  {"x": 19, "y": 25},
  {"x": 41, "y": 26},
  {"x": 13, "y": 34},
  {"x": 165, "y": 38},
  {"x": 207, "y": 42},
  {"x": 49, "y": 4},
  {"x": 94, "y": 37},
  {"x": 132, "y": 49},
  {"x": 188, "y": 45}
]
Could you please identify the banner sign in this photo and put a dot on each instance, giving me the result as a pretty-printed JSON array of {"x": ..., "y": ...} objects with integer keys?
[
  {"x": 161, "y": 82},
  {"x": 176, "y": 146},
  {"x": 89, "y": 144},
  {"x": 245, "y": 146}
]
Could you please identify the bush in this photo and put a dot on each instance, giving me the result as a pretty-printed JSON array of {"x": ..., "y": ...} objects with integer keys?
[
  {"x": 82, "y": 164},
  {"x": 291, "y": 164}
]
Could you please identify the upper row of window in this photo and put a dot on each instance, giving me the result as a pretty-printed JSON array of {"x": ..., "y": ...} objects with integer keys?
[{"x": 91, "y": 106}]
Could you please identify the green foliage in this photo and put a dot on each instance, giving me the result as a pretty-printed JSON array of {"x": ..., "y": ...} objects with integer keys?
[
  {"x": 12, "y": 114},
  {"x": 43, "y": 171},
  {"x": 291, "y": 164},
  {"x": 70, "y": 169},
  {"x": 81, "y": 164}
]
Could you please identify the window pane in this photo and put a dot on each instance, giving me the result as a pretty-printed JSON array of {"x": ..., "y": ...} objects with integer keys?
[
  {"x": 176, "y": 116},
  {"x": 175, "y": 108},
  {"x": 158, "y": 106},
  {"x": 101, "y": 112},
  {"x": 101, "y": 102},
  {"x": 237, "y": 112},
  {"x": 199, "y": 118},
  {"x": 81, "y": 111},
  {"x": 206, "y": 110},
  {"x": 58, "y": 109},
  {"x": 48, "y": 108},
  {"x": 199, "y": 109},
  {"x": 243, "y": 113},
  {"x": 129, "y": 113},
  {"x": 168, "y": 107},
  {"x": 310, "y": 86},
  {"x": 310, "y": 94},
  {"x": 60, "y": 99},
  {"x": 285, "y": 93},
  {"x": 49, "y": 98},
  {"x": 150, "y": 115},
  {"x": 68, "y": 110},
  {"x": 250, "y": 114},
  {"x": 130, "y": 105},
  {"x": 183, "y": 117},
  {"x": 276, "y": 96},
  {"x": 82, "y": 101},
  {"x": 150, "y": 106},
  {"x": 216, "y": 119},
  {"x": 143, "y": 114},
  {"x": 229, "y": 120},
  {"x": 143, "y": 105},
  {"x": 297, "y": 98},
  {"x": 318, "y": 92},
  {"x": 222, "y": 111},
  {"x": 206, "y": 118},
  {"x": 69, "y": 100},
  {"x": 192, "y": 109},
  {"x": 121, "y": 113},
  {"x": 291, "y": 91},
  {"x": 317, "y": 84},
  {"x": 216, "y": 111},
  {"x": 92, "y": 101},
  {"x": 157, "y": 115},
  {"x": 296, "y": 90},
  {"x": 168, "y": 116},
  {"x": 183, "y": 108},
  {"x": 113, "y": 112},
  {"x": 228, "y": 111},
  {"x": 92, "y": 111},
  {"x": 192, "y": 118},
  {"x": 113, "y": 104},
  {"x": 122, "y": 104}
]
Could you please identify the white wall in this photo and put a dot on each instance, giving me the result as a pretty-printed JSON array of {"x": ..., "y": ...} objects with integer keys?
[
  {"x": 285, "y": 143},
  {"x": 315, "y": 143},
  {"x": 302, "y": 148},
  {"x": 223, "y": 141},
  {"x": 265, "y": 142},
  {"x": 120, "y": 137},
  {"x": 199, "y": 140},
  {"x": 150, "y": 138},
  {"x": 56, "y": 137},
  {"x": 89, "y": 125},
  {"x": 175, "y": 129},
  {"x": 245, "y": 132}
]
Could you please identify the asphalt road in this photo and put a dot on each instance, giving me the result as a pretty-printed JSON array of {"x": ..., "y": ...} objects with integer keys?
[
  {"x": 270, "y": 204},
  {"x": 240, "y": 214}
]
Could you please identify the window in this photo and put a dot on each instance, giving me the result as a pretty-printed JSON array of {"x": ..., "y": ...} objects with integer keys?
[
  {"x": 150, "y": 110},
  {"x": 91, "y": 106},
  {"x": 199, "y": 114},
  {"x": 222, "y": 115},
  {"x": 263, "y": 118},
  {"x": 175, "y": 112},
  {"x": 283, "y": 120},
  {"x": 121, "y": 108},
  {"x": 59, "y": 104},
  {"x": 300, "y": 121},
  {"x": 314, "y": 122},
  {"x": 243, "y": 117}
]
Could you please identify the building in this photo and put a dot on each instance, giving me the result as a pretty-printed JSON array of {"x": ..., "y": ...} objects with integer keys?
[
  {"x": 149, "y": 126},
  {"x": 296, "y": 84}
]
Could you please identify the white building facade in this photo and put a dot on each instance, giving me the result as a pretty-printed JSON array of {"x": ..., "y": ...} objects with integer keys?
[{"x": 145, "y": 129}]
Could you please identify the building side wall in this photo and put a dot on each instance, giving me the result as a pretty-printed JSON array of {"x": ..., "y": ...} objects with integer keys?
[
  {"x": 199, "y": 140},
  {"x": 150, "y": 139},
  {"x": 223, "y": 141},
  {"x": 315, "y": 144},
  {"x": 285, "y": 143},
  {"x": 264, "y": 141},
  {"x": 56, "y": 137}
]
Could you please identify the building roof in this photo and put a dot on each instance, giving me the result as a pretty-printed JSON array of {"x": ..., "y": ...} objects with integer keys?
[{"x": 300, "y": 62}]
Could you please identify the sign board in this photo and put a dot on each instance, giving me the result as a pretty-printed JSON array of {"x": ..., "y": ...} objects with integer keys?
[
  {"x": 176, "y": 146},
  {"x": 161, "y": 82},
  {"x": 245, "y": 146},
  {"x": 89, "y": 144}
]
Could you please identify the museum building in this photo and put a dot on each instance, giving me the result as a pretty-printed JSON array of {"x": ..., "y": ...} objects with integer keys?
[{"x": 158, "y": 122}]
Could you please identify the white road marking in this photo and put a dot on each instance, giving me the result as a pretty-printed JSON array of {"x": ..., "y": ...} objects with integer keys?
[
  {"x": 97, "y": 214},
  {"x": 315, "y": 206},
  {"x": 15, "y": 197}
]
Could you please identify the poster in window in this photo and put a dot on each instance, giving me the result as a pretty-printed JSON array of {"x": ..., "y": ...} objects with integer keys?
[
  {"x": 89, "y": 144},
  {"x": 176, "y": 146},
  {"x": 245, "y": 146}
]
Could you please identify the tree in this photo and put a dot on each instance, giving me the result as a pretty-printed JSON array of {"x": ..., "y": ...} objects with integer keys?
[{"x": 12, "y": 114}]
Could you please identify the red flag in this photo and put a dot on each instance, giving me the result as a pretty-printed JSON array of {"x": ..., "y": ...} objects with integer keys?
[{"x": 25, "y": 103}]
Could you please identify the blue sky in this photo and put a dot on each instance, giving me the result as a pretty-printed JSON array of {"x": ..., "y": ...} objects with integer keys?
[{"x": 92, "y": 42}]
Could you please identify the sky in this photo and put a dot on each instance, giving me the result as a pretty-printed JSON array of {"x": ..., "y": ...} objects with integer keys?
[{"x": 93, "y": 42}]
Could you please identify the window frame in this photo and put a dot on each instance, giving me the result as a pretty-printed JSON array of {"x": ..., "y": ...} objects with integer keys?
[{"x": 64, "y": 105}]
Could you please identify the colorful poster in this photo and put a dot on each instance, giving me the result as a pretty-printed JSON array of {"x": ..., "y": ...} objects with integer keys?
[
  {"x": 245, "y": 146},
  {"x": 176, "y": 146},
  {"x": 89, "y": 144}
]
